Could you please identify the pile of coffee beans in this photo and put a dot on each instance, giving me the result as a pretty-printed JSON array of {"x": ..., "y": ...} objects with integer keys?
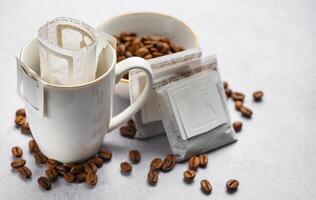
[
  {"x": 157, "y": 165},
  {"x": 238, "y": 99},
  {"x": 18, "y": 163},
  {"x": 129, "y": 44}
]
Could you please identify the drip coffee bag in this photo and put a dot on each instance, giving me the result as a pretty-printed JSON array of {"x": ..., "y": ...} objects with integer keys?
[{"x": 193, "y": 109}]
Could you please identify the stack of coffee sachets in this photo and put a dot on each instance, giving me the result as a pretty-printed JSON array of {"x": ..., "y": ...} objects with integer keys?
[{"x": 188, "y": 104}]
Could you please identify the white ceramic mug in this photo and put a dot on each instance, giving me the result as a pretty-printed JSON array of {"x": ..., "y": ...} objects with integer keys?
[{"x": 69, "y": 122}]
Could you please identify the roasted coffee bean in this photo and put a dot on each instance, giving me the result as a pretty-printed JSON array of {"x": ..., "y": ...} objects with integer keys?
[
  {"x": 105, "y": 154},
  {"x": 206, "y": 186},
  {"x": 225, "y": 84},
  {"x": 40, "y": 158},
  {"x": 20, "y": 120},
  {"x": 228, "y": 92},
  {"x": 77, "y": 169},
  {"x": 238, "y": 96},
  {"x": 20, "y": 112},
  {"x": 97, "y": 161},
  {"x": 156, "y": 54},
  {"x": 156, "y": 164},
  {"x": 168, "y": 163},
  {"x": 69, "y": 177},
  {"x": 33, "y": 146},
  {"x": 189, "y": 175},
  {"x": 91, "y": 179},
  {"x": 17, "y": 151},
  {"x": 203, "y": 160},
  {"x": 246, "y": 112},
  {"x": 25, "y": 172},
  {"x": 238, "y": 105},
  {"x": 127, "y": 131},
  {"x": 194, "y": 163},
  {"x": 257, "y": 96},
  {"x": 81, "y": 177},
  {"x": 120, "y": 50},
  {"x": 237, "y": 126},
  {"x": 51, "y": 163},
  {"x": 90, "y": 167},
  {"x": 152, "y": 177},
  {"x": 148, "y": 56},
  {"x": 69, "y": 165},
  {"x": 142, "y": 52},
  {"x": 120, "y": 58},
  {"x": 44, "y": 183},
  {"x": 61, "y": 170},
  {"x": 134, "y": 156},
  {"x": 232, "y": 184},
  {"x": 51, "y": 173},
  {"x": 126, "y": 167},
  {"x": 25, "y": 129},
  {"x": 18, "y": 163}
]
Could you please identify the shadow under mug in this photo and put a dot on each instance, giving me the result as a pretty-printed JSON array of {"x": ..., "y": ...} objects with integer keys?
[{"x": 70, "y": 122}]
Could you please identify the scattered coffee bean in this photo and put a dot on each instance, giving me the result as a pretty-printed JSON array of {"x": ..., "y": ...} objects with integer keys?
[
  {"x": 225, "y": 84},
  {"x": 20, "y": 120},
  {"x": 134, "y": 156},
  {"x": 127, "y": 131},
  {"x": 238, "y": 105},
  {"x": 232, "y": 185},
  {"x": 77, "y": 169},
  {"x": 131, "y": 124},
  {"x": 69, "y": 165},
  {"x": 189, "y": 175},
  {"x": 152, "y": 177},
  {"x": 44, "y": 183},
  {"x": 61, "y": 170},
  {"x": 97, "y": 161},
  {"x": 126, "y": 167},
  {"x": 246, "y": 112},
  {"x": 33, "y": 146},
  {"x": 257, "y": 96},
  {"x": 238, "y": 96},
  {"x": 18, "y": 163},
  {"x": 194, "y": 163},
  {"x": 206, "y": 186},
  {"x": 228, "y": 92},
  {"x": 51, "y": 163},
  {"x": 91, "y": 179},
  {"x": 237, "y": 126},
  {"x": 105, "y": 154},
  {"x": 51, "y": 174},
  {"x": 25, "y": 172},
  {"x": 25, "y": 129},
  {"x": 40, "y": 158},
  {"x": 17, "y": 151},
  {"x": 20, "y": 112},
  {"x": 90, "y": 167},
  {"x": 81, "y": 177},
  {"x": 203, "y": 160},
  {"x": 168, "y": 163},
  {"x": 69, "y": 177},
  {"x": 156, "y": 164}
]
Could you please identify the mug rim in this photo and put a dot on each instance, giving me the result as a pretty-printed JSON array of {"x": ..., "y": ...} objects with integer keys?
[{"x": 45, "y": 83}]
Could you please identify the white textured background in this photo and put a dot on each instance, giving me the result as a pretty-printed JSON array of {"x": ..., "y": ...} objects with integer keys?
[{"x": 268, "y": 45}]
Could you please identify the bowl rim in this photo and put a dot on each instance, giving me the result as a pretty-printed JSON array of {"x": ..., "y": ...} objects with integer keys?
[{"x": 197, "y": 42}]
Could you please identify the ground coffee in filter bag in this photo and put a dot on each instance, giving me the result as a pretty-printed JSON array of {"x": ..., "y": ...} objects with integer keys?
[
  {"x": 147, "y": 120},
  {"x": 193, "y": 108}
]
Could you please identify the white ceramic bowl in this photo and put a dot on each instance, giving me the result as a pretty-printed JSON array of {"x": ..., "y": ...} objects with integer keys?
[{"x": 149, "y": 23}]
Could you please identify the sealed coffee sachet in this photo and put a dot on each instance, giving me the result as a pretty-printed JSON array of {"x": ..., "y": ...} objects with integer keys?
[
  {"x": 193, "y": 108},
  {"x": 69, "y": 51},
  {"x": 148, "y": 121}
]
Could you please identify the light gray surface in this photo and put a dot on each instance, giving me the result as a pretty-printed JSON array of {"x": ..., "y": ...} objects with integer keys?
[{"x": 268, "y": 45}]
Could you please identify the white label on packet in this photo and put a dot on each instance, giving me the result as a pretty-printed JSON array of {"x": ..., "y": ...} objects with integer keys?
[{"x": 196, "y": 104}]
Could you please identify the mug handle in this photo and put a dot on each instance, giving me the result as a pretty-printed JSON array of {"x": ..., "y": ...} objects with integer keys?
[{"x": 120, "y": 69}]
